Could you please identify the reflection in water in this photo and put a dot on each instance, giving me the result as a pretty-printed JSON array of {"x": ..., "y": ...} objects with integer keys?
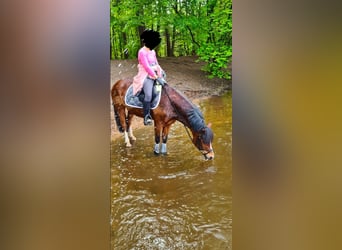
[{"x": 177, "y": 201}]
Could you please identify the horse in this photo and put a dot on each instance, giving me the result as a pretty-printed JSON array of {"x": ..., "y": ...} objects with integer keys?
[{"x": 173, "y": 106}]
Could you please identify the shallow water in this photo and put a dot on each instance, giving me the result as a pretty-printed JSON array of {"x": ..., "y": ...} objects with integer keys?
[{"x": 177, "y": 201}]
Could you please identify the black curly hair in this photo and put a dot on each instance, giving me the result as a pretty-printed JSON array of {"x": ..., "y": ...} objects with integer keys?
[{"x": 150, "y": 38}]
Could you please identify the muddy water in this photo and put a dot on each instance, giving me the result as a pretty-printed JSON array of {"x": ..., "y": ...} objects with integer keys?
[{"x": 177, "y": 201}]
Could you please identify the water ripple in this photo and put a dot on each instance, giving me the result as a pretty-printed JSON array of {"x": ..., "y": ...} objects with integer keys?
[{"x": 176, "y": 201}]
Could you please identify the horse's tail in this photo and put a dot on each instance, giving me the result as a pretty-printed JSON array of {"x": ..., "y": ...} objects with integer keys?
[{"x": 117, "y": 121}]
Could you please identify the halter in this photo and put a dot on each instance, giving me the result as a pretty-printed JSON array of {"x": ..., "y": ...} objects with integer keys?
[{"x": 204, "y": 152}]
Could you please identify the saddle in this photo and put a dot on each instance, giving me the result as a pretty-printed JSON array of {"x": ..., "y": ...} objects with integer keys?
[{"x": 136, "y": 101}]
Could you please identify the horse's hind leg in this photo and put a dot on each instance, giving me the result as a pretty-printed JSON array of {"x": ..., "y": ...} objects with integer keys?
[
  {"x": 126, "y": 133},
  {"x": 120, "y": 109},
  {"x": 122, "y": 117},
  {"x": 129, "y": 125}
]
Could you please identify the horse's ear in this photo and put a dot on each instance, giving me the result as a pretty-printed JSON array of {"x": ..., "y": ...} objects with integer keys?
[{"x": 209, "y": 125}]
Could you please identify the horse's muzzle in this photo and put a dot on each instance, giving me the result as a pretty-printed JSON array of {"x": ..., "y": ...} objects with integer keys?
[{"x": 209, "y": 155}]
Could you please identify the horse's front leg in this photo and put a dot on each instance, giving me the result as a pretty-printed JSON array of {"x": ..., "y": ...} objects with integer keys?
[
  {"x": 157, "y": 130},
  {"x": 164, "y": 139}
]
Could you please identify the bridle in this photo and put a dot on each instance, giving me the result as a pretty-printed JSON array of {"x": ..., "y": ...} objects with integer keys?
[{"x": 204, "y": 152}]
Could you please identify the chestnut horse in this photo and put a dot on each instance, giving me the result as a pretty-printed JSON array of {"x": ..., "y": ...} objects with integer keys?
[{"x": 173, "y": 106}]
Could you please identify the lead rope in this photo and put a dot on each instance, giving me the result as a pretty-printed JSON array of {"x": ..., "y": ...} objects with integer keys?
[{"x": 186, "y": 129}]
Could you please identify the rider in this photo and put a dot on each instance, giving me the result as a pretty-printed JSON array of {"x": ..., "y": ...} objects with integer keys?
[{"x": 148, "y": 70}]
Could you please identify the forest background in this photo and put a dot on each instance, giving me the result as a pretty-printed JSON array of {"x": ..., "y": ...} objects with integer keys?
[{"x": 201, "y": 28}]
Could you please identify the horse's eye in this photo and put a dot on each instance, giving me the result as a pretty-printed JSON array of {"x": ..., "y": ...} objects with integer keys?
[{"x": 199, "y": 142}]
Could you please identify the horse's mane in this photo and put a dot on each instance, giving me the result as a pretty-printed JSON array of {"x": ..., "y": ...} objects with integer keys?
[
  {"x": 196, "y": 119},
  {"x": 193, "y": 113}
]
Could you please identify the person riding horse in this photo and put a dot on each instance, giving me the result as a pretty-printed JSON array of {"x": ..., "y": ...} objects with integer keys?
[
  {"x": 173, "y": 106},
  {"x": 149, "y": 71}
]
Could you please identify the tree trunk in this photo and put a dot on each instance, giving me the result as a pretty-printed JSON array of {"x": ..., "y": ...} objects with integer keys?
[
  {"x": 124, "y": 41},
  {"x": 168, "y": 43},
  {"x": 141, "y": 28},
  {"x": 173, "y": 40}
]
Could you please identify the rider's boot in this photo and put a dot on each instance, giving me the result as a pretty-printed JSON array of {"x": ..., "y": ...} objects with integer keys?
[{"x": 147, "y": 115}]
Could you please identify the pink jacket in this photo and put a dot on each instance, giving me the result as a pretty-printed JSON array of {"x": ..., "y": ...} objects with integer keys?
[{"x": 148, "y": 66}]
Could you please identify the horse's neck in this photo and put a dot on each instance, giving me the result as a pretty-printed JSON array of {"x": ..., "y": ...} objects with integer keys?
[{"x": 181, "y": 106}]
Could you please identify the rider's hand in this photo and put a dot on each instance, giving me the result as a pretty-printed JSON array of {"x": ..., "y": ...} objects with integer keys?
[{"x": 161, "y": 81}]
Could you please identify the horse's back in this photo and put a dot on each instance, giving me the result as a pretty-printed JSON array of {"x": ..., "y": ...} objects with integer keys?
[
  {"x": 120, "y": 87},
  {"x": 119, "y": 90}
]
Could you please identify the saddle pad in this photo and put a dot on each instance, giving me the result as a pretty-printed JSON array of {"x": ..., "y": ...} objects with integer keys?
[{"x": 134, "y": 101}]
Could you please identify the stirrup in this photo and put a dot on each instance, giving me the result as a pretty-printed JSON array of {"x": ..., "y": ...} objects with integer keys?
[{"x": 148, "y": 120}]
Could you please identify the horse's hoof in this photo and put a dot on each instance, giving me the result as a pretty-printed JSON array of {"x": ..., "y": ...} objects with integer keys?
[
  {"x": 156, "y": 149},
  {"x": 128, "y": 145},
  {"x": 133, "y": 138},
  {"x": 163, "y": 149}
]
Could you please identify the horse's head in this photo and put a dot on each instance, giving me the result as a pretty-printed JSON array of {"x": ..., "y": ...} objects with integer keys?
[{"x": 203, "y": 141}]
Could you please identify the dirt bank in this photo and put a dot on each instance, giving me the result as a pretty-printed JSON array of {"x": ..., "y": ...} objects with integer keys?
[{"x": 183, "y": 73}]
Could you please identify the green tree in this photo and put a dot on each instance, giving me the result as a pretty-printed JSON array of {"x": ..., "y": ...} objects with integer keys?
[
  {"x": 217, "y": 49},
  {"x": 191, "y": 27}
]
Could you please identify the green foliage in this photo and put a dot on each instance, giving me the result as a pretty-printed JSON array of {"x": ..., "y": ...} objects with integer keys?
[
  {"x": 217, "y": 58},
  {"x": 217, "y": 49},
  {"x": 192, "y": 27}
]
